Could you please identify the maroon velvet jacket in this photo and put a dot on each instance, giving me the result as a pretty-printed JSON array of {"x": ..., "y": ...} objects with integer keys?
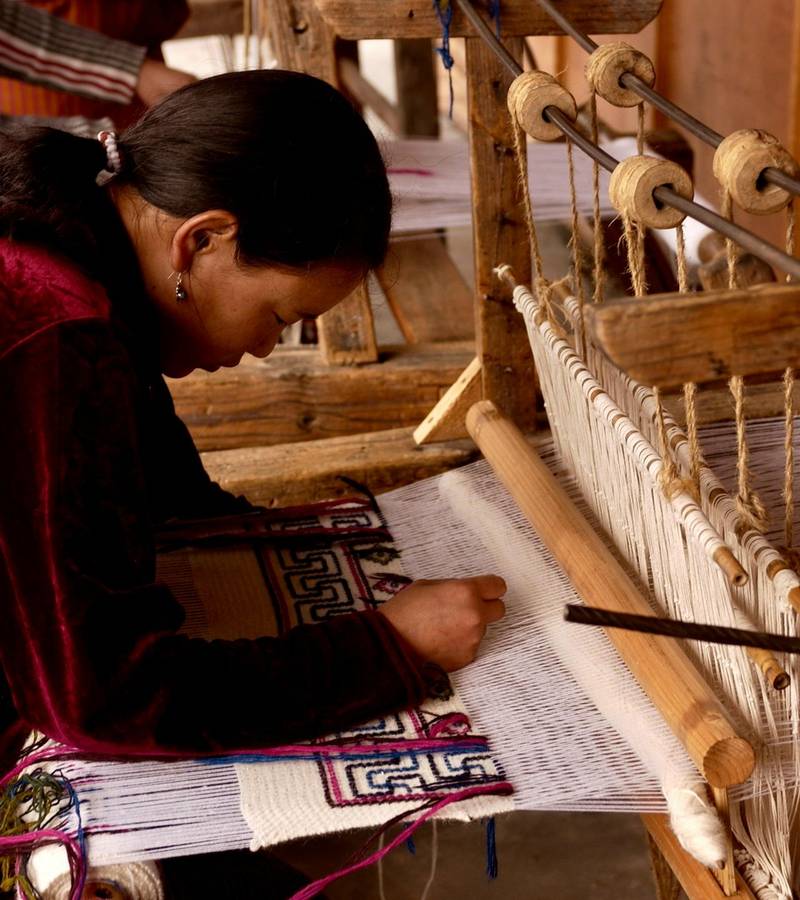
[{"x": 92, "y": 457}]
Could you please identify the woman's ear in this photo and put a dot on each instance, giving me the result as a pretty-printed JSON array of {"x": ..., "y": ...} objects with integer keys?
[{"x": 206, "y": 232}]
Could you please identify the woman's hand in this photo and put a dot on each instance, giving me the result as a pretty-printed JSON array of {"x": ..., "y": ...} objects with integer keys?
[{"x": 445, "y": 621}]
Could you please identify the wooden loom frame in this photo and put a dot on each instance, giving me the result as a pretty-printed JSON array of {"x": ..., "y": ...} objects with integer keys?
[{"x": 502, "y": 370}]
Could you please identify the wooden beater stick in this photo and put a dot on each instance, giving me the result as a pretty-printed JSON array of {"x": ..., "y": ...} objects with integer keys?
[{"x": 663, "y": 670}]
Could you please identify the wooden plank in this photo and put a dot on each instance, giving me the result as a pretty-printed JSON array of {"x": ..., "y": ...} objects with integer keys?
[
  {"x": 447, "y": 420},
  {"x": 357, "y": 19},
  {"x": 670, "y": 339},
  {"x": 500, "y": 236},
  {"x": 213, "y": 17},
  {"x": 695, "y": 879},
  {"x": 415, "y": 75},
  {"x": 347, "y": 332},
  {"x": 303, "y": 473},
  {"x": 294, "y": 396},
  {"x": 429, "y": 298},
  {"x": 667, "y": 885}
]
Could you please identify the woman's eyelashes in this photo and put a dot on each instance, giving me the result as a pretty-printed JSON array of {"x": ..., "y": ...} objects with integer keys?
[{"x": 282, "y": 322}]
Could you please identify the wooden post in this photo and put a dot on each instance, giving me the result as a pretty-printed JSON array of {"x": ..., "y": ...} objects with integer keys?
[
  {"x": 500, "y": 236},
  {"x": 661, "y": 667},
  {"x": 416, "y": 88}
]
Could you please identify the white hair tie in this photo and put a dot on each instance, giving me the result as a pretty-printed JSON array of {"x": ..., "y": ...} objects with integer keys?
[{"x": 113, "y": 159}]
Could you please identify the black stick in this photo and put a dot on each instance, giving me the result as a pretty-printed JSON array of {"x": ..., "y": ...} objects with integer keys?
[{"x": 713, "y": 634}]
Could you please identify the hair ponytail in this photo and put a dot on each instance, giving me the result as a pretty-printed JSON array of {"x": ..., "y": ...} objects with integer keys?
[{"x": 284, "y": 152}]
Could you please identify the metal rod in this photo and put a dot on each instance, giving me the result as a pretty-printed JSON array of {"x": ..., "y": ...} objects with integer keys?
[
  {"x": 675, "y": 628},
  {"x": 635, "y": 84},
  {"x": 746, "y": 239}
]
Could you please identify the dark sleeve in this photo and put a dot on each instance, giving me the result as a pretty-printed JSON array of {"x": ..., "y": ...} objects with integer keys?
[
  {"x": 89, "y": 642},
  {"x": 185, "y": 490}
]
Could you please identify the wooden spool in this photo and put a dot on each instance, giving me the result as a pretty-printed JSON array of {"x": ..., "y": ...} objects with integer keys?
[
  {"x": 738, "y": 163},
  {"x": 529, "y": 96},
  {"x": 632, "y": 185},
  {"x": 609, "y": 62},
  {"x": 661, "y": 667}
]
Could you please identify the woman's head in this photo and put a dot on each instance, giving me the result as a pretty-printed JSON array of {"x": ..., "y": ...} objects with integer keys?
[{"x": 264, "y": 190}]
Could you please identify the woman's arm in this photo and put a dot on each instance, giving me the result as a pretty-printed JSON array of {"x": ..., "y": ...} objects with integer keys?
[
  {"x": 40, "y": 48},
  {"x": 89, "y": 642}
]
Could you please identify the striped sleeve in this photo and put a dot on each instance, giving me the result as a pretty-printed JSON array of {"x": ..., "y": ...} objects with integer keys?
[{"x": 40, "y": 48}]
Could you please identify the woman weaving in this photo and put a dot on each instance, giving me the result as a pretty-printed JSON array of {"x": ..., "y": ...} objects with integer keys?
[{"x": 223, "y": 219}]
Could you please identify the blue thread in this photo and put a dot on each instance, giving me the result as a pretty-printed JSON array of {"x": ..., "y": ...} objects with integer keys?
[
  {"x": 491, "y": 849},
  {"x": 343, "y": 754},
  {"x": 444, "y": 13},
  {"x": 494, "y": 12},
  {"x": 412, "y": 847}
]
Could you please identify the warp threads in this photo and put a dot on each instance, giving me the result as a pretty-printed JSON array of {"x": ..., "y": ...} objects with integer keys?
[
  {"x": 606, "y": 66},
  {"x": 739, "y": 162}
]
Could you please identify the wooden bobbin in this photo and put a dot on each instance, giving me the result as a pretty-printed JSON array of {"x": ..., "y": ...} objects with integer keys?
[
  {"x": 632, "y": 185},
  {"x": 609, "y": 62},
  {"x": 739, "y": 162},
  {"x": 528, "y": 97}
]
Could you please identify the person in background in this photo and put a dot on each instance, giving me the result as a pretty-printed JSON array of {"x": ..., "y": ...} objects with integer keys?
[{"x": 86, "y": 58}]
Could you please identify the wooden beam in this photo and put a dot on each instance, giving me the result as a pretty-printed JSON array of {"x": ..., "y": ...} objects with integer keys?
[
  {"x": 447, "y": 420},
  {"x": 670, "y": 339},
  {"x": 695, "y": 879},
  {"x": 500, "y": 236},
  {"x": 292, "y": 474},
  {"x": 294, "y": 396},
  {"x": 357, "y": 19},
  {"x": 429, "y": 298}
]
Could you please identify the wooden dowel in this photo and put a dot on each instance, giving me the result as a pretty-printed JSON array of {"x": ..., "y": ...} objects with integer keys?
[{"x": 662, "y": 669}]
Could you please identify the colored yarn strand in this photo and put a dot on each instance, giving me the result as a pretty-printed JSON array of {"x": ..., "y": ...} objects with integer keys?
[
  {"x": 444, "y": 13},
  {"x": 695, "y": 454},
  {"x": 491, "y": 849}
]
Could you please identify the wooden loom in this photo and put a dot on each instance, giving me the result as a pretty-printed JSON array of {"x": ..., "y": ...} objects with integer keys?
[{"x": 633, "y": 335}]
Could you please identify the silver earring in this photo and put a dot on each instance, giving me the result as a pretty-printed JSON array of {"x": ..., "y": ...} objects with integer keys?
[{"x": 180, "y": 290}]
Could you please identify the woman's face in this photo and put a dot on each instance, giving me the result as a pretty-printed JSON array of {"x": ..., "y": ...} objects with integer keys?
[{"x": 230, "y": 308}]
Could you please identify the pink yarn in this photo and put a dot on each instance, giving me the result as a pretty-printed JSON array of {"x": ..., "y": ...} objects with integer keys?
[{"x": 315, "y": 887}]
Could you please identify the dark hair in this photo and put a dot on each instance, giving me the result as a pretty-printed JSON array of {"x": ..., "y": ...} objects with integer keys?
[{"x": 284, "y": 152}]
